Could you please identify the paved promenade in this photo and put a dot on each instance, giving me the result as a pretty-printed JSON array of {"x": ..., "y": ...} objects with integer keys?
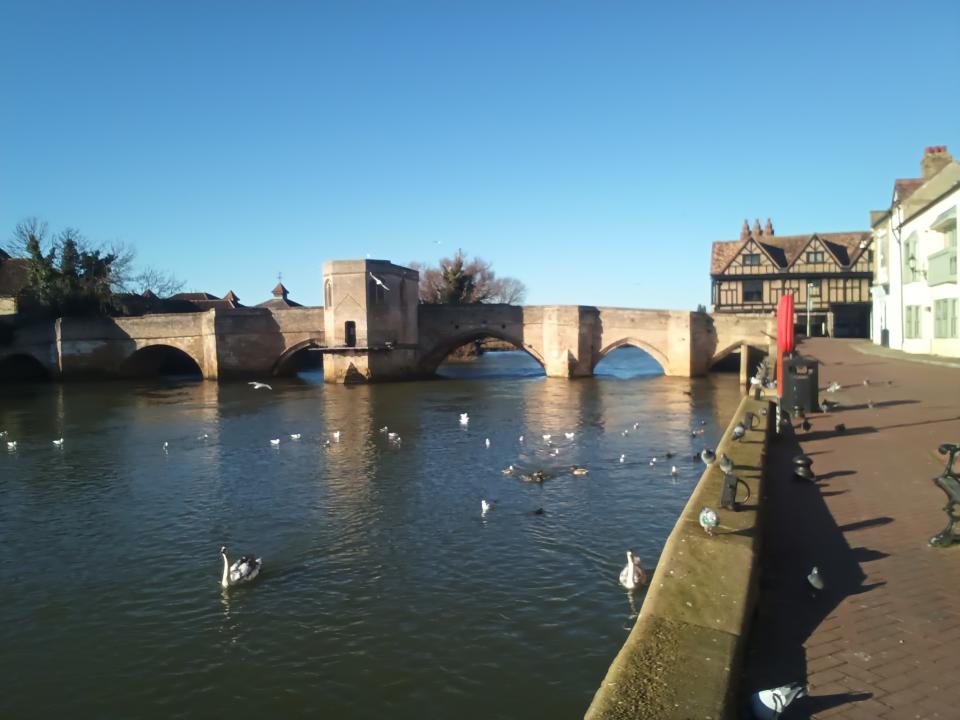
[{"x": 882, "y": 641}]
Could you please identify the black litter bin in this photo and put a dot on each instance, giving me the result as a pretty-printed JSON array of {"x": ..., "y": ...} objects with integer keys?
[{"x": 800, "y": 384}]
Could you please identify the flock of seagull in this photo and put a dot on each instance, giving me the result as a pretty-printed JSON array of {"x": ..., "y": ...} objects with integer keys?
[{"x": 633, "y": 576}]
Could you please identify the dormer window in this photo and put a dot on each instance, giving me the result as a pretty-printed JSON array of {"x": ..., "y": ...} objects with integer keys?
[
  {"x": 815, "y": 256},
  {"x": 751, "y": 259}
]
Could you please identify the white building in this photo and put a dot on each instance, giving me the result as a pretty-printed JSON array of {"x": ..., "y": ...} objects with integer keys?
[{"x": 916, "y": 290}]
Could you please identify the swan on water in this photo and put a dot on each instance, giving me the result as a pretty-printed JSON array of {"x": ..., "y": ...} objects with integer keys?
[
  {"x": 294, "y": 436},
  {"x": 243, "y": 570},
  {"x": 58, "y": 443},
  {"x": 275, "y": 442},
  {"x": 632, "y": 575},
  {"x": 464, "y": 419},
  {"x": 259, "y": 385}
]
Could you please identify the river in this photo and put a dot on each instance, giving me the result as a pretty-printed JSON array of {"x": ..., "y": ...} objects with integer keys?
[{"x": 384, "y": 593}]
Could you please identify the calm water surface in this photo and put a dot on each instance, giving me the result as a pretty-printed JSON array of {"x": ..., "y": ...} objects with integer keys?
[{"x": 384, "y": 593}]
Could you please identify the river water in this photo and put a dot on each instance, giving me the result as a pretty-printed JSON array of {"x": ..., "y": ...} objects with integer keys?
[{"x": 384, "y": 593}]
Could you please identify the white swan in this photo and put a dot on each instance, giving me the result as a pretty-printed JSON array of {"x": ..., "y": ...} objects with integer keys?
[
  {"x": 243, "y": 570},
  {"x": 632, "y": 576},
  {"x": 58, "y": 443},
  {"x": 464, "y": 419}
]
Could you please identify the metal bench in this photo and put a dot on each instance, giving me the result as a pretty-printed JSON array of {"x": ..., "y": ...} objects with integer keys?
[{"x": 949, "y": 482}]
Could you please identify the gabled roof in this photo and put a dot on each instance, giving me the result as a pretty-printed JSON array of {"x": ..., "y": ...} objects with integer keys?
[
  {"x": 785, "y": 250},
  {"x": 905, "y": 187},
  {"x": 13, "y": 275}
]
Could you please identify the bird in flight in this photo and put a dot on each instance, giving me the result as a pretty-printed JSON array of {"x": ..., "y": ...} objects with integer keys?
[
  {"x": 259, "y": 385},
  {"x": 379, "y": 282}
]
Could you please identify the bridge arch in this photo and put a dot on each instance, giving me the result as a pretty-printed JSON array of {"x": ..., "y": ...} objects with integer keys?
[
  {"x": 431, "y": 360},
  {"x": 160, "y": 359},
  {"x": 733, "y": 348},
  {"x": 651, "y": 350},
  {"x": 22, "y": 366},
  {"x": 287, "y": 360}
]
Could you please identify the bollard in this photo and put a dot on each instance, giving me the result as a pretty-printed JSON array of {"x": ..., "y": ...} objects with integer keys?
[
  {"x": 728, "y": 495},
  {"x": 802, "y": 468}
]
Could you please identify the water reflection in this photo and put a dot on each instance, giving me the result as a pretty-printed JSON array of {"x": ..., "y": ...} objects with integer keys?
[{"x": 376, "y": 556}]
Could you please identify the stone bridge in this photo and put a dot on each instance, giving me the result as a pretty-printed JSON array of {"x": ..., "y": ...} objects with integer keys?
[{"x": 368, "y": 333}]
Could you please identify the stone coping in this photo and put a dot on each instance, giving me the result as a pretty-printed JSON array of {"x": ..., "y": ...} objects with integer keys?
[{"x": 682, "y": 657}]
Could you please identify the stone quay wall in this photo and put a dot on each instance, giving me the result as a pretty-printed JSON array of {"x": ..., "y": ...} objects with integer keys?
[{"x": 682, "y": 658}]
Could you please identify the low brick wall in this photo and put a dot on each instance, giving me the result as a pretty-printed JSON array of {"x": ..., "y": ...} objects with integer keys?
[{"x": 682, "y": 657}]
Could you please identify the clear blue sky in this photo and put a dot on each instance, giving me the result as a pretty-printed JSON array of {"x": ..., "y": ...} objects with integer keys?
[{"x": 591, "y": 149}]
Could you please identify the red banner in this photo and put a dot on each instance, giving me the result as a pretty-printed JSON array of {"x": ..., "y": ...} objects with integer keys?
[{"x": 785, "y": 339}]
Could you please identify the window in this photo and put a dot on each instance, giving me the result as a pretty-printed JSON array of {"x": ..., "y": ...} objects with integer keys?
[
  {"x": 814, "y": 288},
  {"x": 815, "y": 256},
  {"x": 945, "y": 318},
  {"x": 912, "y": 319},
  {"x": 752, "y": 291},
  {"x": 350, "y": 333},
  {"x": 910, "y": 251},
  {"x": 751, "y": 259}
]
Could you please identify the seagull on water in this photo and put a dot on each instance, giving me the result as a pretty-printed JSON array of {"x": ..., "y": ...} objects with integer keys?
[
  {"x": 259, "y": 385},
  {"x": 166, "y": 447},
  {"x": 673, "y": 470},
  {"x": 379, "y": 282},
  {"x": 623, "y": 459},
  {"x": 464, "y": 419},
  {"x": 569, "y": 436},
  {"x": 709, "y": 520},
  {"x": 58, "y": 443},
  {"x": 275, "y": 442},
  {"x": 486, "y": 443},
  {"x": 546, "y": 438},
  {"x": 336, "y": 436},
  {"x": 579, "y": 471},
  {"x": 508, "y": 470},
  {"x": 11, "y": 446},
  {"x": 384, "y": 429},
  {"x": 520, "y": 439},
  {"x": 485, "y": 507},
  {"x": 815, "y": 578},
  {"x": 295, "y": 436},
  {"x": 769, "y": 704}
]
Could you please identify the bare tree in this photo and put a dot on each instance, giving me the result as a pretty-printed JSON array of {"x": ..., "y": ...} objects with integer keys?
[
  {"x": 25, "y": 230},
  {"x": 457, "y": 280},
  {"x": 160, "y": 283}
]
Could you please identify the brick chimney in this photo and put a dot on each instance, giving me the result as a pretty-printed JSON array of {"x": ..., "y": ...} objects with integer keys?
[
  {"x": 768, "y": 228},
  {"x": 935, "y": 159},
  {"x": 757, "y": 232},
  {"x": 745, "y": 230}
]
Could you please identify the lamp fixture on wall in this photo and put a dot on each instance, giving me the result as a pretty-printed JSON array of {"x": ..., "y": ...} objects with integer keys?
[{"x": 912, "y": 265}]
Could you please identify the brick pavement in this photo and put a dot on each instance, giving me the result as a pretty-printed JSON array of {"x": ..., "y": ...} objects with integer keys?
[{"x": 882, "y": 640}]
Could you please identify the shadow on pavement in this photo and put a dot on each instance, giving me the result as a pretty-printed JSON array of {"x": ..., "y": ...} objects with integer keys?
[{"x": 799, "y": 533}]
